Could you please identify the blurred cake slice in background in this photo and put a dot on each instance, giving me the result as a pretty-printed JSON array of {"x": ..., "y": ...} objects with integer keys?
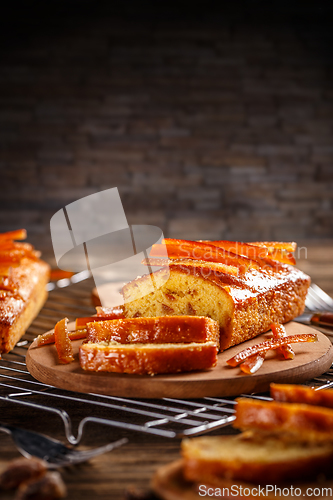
[{"x": 23, "y": 279}]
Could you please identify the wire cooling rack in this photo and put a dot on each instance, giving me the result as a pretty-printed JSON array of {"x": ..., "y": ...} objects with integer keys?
[{"x": 172, "y": 418}]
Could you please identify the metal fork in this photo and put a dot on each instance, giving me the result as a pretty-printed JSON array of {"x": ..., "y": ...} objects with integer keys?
[
  {"x": 317, "y": 300},
  {"x": 55, "y": 454}
]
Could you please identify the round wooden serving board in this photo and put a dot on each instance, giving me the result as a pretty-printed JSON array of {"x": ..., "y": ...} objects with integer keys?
[{"x": 312, "y": 359}]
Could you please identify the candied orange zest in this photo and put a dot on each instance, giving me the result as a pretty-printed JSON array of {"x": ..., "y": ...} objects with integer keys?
[
  {"x": 279, "y": 332},
  {"x": 63, "y": 342},
  {"x": 289, "y": 246},
  {"x": 270, "y": 344},
  {"x": 49, "y": 337},
  {"x": 202, "y": 251},
  {"x": 282, "y": 256},
  {"x": 239, "y": 248},
  {"x": 18, "y": 234},
  {"x": 46, "y": 338}
]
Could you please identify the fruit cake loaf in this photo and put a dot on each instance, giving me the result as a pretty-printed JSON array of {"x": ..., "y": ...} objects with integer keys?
[
  {"x": 23, "y": 287},
  {"x": 244, "y": 305}
]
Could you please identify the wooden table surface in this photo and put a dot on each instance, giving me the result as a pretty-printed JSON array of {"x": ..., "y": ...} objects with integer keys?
[{"x": 108, "y": 476}]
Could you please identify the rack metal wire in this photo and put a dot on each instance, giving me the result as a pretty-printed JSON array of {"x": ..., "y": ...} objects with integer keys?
[{"x": 171, "y": 418}]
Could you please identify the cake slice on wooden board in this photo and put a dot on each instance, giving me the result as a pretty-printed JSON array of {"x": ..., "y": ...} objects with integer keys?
[
  {"x": 244, "y": 305},
  {"x": 148, "y": 346},
  {"x": 148, "y": 359},
  {"x": 23, "y": 288},
  {"x": 154, "y": 330}
]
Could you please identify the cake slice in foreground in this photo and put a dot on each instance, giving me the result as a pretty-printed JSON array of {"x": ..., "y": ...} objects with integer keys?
[
  {"x": 292, "y": 421},
  {"x": 290, "y": 393},
  {"x": 280, "y": 442},
  {"x": 254, "y": 458}
]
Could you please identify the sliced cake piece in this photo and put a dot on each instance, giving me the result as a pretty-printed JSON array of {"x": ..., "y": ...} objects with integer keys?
[
  {"x": 23, "y": 300},
  {"x": 253, "y": 458},
  {"x": 291, "y": 393},
  {"x": 148, "y": 359},
  {"x": 291, "y": 421},
  {"x": 168, "y": 329}
]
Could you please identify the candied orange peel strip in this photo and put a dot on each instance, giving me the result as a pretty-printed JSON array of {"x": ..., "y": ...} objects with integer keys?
[
  {"x": 278, "y": 250},
  {"x": 233, "y": 253},
  {"x": 270, "y": 344},
  {"x": 282, "y": 256},
  {"x": 195, "y": 250},
  {"x": 80, "y": 332},
  {"x": 253, "y": 363},
  {"x": 279, "y": 332},
  {"x": 289, "y": 246},
  {"x": 49, "y": 337},
  {"x": 245, "y": 249},
  {"x": 18, "y": 234},
  {"x": 63, "y": 342}
]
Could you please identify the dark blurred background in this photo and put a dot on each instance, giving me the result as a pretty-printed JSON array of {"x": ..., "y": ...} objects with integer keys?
[{"x": 213, "y": 119}]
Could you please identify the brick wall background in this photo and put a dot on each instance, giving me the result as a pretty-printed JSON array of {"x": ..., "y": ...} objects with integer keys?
[{"x": 213, "y": 122}]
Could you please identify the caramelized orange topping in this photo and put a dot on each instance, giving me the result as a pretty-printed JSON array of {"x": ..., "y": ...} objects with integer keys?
[
  {"x": 11, "y": 255},
  {"x": 238, "y": 248},
  {"x": 289, "y": 246},
  {"x": 278, "y": 251},
  {"x": 235, "y": 254},
  {"x": 208, "y": 252}
]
